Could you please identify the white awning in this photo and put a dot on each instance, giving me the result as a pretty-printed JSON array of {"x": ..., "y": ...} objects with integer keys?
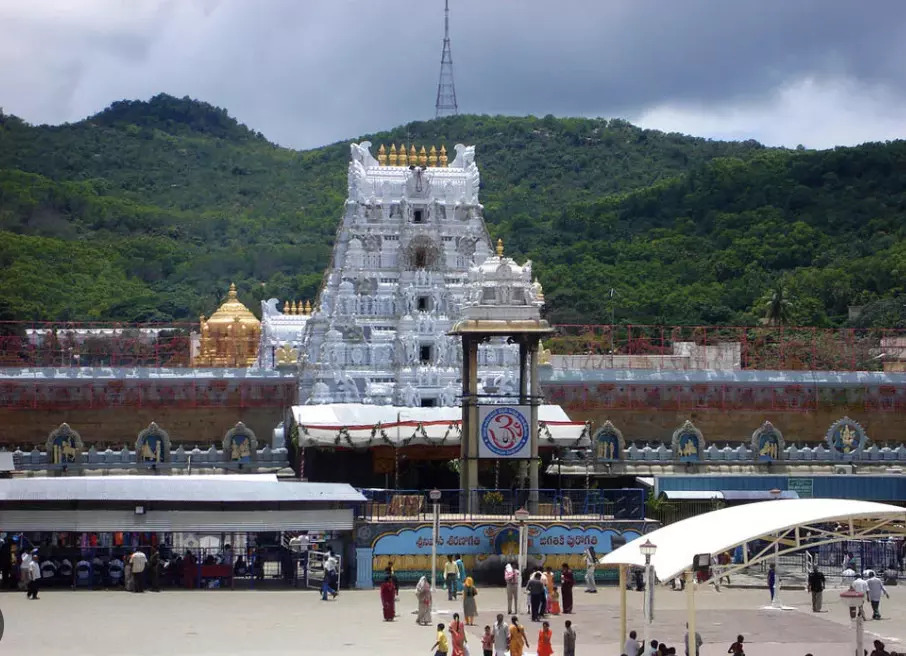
[
  {"x": 358, "y": 425},
  {"x": 722, "y": 530},
  {"x": 691, "y": 495},
  {"x": 226, "y": 489},
  {"x": 726, "y": 495}
]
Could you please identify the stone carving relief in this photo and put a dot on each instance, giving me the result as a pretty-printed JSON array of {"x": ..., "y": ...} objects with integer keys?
[
  {"x": 688, "y": 443},
  {"x": 609, "y": 443},
  {"x": 767, "y": 443},
  {"x": 152, "y": 445},
  {"x": 240, "y": 444},
  {"x": 64, "y": 445},
  {"x": 846, "y": 437},
  {"x": 449, "y": 397}
]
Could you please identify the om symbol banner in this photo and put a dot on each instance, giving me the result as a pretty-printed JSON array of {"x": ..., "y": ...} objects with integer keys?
[{"x": 504, "y": 431}]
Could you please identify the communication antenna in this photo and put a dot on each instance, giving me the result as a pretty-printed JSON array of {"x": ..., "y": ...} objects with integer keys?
[{"x": 446, "y": 90}]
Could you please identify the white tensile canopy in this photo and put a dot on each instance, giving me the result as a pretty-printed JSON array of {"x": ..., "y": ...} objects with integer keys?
[
  {"x": 360, "y": 425},
  {"x": 787, "y": 524}
]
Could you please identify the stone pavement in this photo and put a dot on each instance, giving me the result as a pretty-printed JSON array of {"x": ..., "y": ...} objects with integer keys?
[{"x": 246, "y": 623}]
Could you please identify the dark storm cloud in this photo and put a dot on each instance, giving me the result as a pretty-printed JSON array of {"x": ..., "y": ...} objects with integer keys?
[{"x": 308, "y": 72}]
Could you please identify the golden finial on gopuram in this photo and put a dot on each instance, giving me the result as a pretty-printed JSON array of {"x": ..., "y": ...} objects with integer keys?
[
  {"x": 442, "y": 160},
  {"x": 403, "y": 160},
  {"x": 307, "y": 308},
  {"x": 432, "y": 157},
  {"x": 382, "y": 156},
  {"x": 297, "y": 309},
  {"x": 423, "y": 157},
  {"x": 286, "y": 308},
  {"x": 413, "y": 155},
  {"x": 499, "y": 248},
  {"x": 392, "y": 159}
]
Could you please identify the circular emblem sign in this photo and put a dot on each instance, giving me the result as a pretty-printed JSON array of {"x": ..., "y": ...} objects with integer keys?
[{"x": 505, "y": 431}]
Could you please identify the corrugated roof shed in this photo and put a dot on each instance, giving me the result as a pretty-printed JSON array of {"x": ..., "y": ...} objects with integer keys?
[{"x": 200, "y": 489}]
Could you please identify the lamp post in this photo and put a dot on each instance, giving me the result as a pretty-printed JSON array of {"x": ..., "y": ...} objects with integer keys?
[
  {"x": 521, "y": 515},
  {"x": 854, "y": 601},
  {"x": 648, "y": 549},
  {"x": 435, "y": 495},
  {"x": 775, "y": 602}
]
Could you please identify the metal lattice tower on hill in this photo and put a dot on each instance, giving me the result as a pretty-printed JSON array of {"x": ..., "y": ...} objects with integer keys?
[{"x": 446, "y": 90}]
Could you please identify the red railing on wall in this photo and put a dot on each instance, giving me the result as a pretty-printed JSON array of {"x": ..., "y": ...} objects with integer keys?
[
  {"x": 95, "y": 345},
  {"x": 27, "y": 344},
  {"x": 713, "y": 347}
]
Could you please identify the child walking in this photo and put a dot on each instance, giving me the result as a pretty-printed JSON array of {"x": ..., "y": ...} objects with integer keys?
[
  {"x": 487, "y": 642},
  {"x": 555, "y": 601}
]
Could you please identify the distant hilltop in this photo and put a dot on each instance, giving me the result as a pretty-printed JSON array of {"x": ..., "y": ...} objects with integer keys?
[{"x": 146, "y": 211}]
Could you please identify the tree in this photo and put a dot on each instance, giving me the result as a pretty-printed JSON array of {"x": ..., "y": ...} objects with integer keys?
[{"x": 777, "y": 304}]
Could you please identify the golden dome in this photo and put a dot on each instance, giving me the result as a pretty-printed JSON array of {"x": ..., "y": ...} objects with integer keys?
[{"x": 231, "y": 310}]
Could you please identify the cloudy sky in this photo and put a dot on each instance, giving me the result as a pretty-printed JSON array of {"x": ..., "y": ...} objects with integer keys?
[{"x": 309, "y": 72}]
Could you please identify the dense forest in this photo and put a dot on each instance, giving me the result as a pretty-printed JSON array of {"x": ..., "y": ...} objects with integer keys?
[{"x": 148, "y": 210}]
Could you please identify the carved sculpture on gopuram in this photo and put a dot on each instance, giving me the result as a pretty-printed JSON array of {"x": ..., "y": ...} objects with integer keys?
[{"x": 412, "y": 228}]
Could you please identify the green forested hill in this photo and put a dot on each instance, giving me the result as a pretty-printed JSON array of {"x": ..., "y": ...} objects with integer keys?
[{"x": 148, "y": 210}]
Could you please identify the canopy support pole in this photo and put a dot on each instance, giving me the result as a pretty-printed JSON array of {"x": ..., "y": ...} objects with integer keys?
[
  {"x": 622, "y": 605},
  {"x": 690, "y": 612}
]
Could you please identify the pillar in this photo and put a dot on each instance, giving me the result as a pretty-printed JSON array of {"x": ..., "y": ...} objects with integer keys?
[
  {"x": 534, "y": 399},
  {"x": 468, "y": 464},
  {"x": 622, "y": 605}
]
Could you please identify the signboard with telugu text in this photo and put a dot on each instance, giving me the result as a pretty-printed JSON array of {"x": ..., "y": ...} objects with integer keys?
[
  {"x": 504, "y": 431},
  {"x": 494, "y": 539}
]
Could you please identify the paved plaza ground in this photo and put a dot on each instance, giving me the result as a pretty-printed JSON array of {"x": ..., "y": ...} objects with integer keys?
[{"x": 228, "y": 623}]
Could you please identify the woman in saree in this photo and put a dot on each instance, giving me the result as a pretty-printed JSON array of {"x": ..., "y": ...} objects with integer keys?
[
  {"x": 388, "y": 599},
  {"x": 545, "y": 648},
  {"x": 469, "y": 606},
  {"x": 567, "y": 581},
  {"x": 423, "y": 594},
  {"x": 457, "y": 636},
  {"x": 549, "y": 589},
  {"x": 518, "y": 641}
]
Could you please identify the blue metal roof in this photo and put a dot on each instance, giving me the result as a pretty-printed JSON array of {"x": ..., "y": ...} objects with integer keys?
[{"x": 829, "y": 486}]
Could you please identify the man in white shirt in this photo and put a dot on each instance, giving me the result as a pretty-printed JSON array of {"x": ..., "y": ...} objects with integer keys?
[
  {"x": 632, "y": 647},
  {"x": 138, "y": 560},
  {"x": 875, "y": 589},
  {"x": 329, "y": 586},
  {"x": 861, "y": 586},
  {"x": 501, "y": 631}
]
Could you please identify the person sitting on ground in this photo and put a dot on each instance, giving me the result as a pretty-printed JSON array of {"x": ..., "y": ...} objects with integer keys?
[
  {"x": 651, "y": 649},
  {"x": 879, "y": 649},
  {"x": 632, "y": 646}
]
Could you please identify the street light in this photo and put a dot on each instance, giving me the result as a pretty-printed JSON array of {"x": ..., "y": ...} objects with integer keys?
[
  {"x": 521, "y": 515},
  {"x": 775, "y": 602},
  {"x": 435, "y": 496},
  {"x": 648, "y": 549},
  {"x": 854, "y": 600}
]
